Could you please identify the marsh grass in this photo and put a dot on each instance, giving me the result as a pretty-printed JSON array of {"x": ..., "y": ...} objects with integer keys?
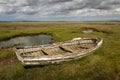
[{"x": 103, "y": 64}]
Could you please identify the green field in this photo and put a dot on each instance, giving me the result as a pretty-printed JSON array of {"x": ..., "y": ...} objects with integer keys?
[{"x": 104, "y": 64}]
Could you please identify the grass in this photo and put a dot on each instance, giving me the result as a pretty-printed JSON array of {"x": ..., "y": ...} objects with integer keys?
[{"x": 104, "y": 64}]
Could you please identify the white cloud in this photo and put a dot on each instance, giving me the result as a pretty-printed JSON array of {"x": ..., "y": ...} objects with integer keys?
[{"x": 60, "y": 7}]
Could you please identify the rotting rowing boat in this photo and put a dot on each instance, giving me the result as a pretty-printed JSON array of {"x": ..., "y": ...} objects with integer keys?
[{"x": 57, "y": 52}]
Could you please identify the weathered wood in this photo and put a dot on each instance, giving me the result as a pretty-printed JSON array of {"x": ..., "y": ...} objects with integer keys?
[{"x": 57, "y": 52}]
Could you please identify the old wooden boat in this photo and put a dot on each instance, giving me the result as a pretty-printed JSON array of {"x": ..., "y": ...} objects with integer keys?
[{"x": 57, "y": 52}]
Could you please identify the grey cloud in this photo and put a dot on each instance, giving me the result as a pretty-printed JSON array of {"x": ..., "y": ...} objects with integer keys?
[
  {"x": 33, "y": 2},
  {"x": 89, "y": 4},
  {"x": 60, "y": 7},
  {"x": 59, "y": 1},
  {"x": 30, "y": 13}
]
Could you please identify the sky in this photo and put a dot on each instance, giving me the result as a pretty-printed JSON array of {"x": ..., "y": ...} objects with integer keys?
[{"x": 59, "y": 10}]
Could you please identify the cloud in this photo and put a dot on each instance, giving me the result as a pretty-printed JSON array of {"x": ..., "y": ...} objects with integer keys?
[
  {"x": 59, "y": 1},
  {"x": 60, "y": 7}
]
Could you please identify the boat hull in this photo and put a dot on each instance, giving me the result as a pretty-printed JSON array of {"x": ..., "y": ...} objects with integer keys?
[{"x": 56, "y": 59}]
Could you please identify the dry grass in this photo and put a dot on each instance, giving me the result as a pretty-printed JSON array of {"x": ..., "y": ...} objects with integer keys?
[{"x": 104, "y": 64}]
